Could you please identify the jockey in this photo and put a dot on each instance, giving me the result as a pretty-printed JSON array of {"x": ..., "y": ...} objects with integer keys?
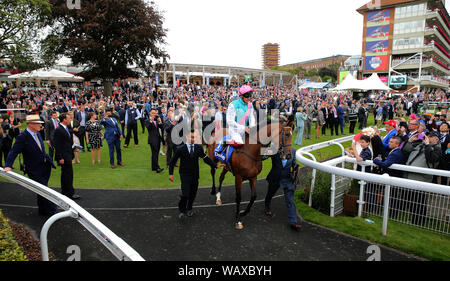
[{"x": 240, "y": 116}]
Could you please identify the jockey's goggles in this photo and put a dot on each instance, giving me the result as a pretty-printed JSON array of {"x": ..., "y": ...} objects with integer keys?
[{"x": 247, "y": 95}]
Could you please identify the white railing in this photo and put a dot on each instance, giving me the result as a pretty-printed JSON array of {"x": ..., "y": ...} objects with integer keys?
[
  {"x": 422, "y": 204},
  {"x": 119, "y": 248}
]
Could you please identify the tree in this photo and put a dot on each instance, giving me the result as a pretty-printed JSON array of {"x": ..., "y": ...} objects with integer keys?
[
  {"x": 21, "y": 24},
  {"x": 325, "y": 71},
  {"x": 110, "y": 37}
]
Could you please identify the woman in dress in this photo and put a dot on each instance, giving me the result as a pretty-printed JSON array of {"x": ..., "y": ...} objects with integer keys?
[
  {"x": 300, "y": 125},
  {"x": 320, "y": 121},
  {"x": 15, "y": 124},
  {"x": 379, "y": 115},
  {"x": 94, "y": 136}
]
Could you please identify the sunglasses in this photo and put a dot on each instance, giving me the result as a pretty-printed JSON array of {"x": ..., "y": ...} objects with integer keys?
[{"x": 246, "y": 95}]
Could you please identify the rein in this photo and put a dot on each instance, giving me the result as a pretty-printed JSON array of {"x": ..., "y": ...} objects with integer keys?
[{"x": 280, "y": 148}]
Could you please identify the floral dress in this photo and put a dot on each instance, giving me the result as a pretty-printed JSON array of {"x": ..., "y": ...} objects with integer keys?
[{"x": 94, "y": 133}]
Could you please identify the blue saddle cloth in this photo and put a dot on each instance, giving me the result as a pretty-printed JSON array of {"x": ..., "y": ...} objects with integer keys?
[{"x": 223, "y": 155}]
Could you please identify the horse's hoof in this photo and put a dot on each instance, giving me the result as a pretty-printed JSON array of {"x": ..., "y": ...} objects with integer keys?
[
  {"x": 219, "y": 202},
  {"x": 213, "y": 191},
  {"x": 243, "y": 213},
  {"x": 239, "y": 226}
]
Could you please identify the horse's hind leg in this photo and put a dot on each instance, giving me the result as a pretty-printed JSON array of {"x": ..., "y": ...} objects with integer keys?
[
  {"x": 238, "y": 183},
  {"x": 213, "y": 175},
  {"x": 252, "y": 199},
  {"x": 221, "y": 179}
]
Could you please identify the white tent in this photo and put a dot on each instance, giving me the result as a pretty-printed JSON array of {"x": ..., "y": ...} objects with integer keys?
[
  {"x": 374, "y": 83},
  {"x": 46, "y": 74},
  {"x": 314, "y": 85},
  {"x": 349, "y": 83}
]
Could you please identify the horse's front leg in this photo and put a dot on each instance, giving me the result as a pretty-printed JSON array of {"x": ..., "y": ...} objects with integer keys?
[
  {"x": 238, "y": 185},
  {"x": 253, "y": 197},
  {"x": 221, "y": 179}
]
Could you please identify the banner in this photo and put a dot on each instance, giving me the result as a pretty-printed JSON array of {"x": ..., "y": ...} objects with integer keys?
[
  {"x": 377, "y": 40},
  {"x": 377, "y": 48},
  {"x": 399, "y": 80},
  {"x": 157, "y": 79},
  {"x": 342, "y": 75},
  {"x": 225, "y": 81},
  {"x": 378, "y": 18},
  {"x": 377, "y": 33},
  {"x": 378, "y": 63},
  {"x": 207, "y": 80}
]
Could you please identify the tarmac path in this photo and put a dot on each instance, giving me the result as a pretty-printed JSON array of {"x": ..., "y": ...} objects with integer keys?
[{"x": 148, "y": 221}]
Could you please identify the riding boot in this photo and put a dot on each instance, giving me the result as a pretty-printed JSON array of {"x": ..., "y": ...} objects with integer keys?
[{"x": 224, "y": 147}]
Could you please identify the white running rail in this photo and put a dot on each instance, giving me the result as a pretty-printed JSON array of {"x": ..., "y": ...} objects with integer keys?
[
  {"x": 119, "y": 248},
  {"x": 422, "y": 204}
]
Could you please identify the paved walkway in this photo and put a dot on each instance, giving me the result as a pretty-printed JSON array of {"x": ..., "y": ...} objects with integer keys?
[{"x": 148, "y": 222}]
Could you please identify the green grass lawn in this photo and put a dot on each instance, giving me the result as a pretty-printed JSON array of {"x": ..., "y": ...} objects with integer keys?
[
  {"x": 137, "y": 173},
  {"x": 410, "y": 239}
]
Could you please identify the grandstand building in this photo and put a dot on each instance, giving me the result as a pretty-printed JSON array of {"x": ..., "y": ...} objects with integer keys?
[
  {"x": 407, "y": 43},
  {"x": 270, "y": 55},
  {"x": 318, "y": 63}
]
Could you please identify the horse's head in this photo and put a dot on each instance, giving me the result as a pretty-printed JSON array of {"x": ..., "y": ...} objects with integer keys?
[{"x": 285, "y": 138}]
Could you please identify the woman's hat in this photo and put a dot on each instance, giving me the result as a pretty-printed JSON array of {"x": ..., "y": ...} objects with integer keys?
[{"x": 34, "y": 119}]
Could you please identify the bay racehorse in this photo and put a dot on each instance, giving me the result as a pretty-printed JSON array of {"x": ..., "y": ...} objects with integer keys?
[{"x": 246, "y": 161}]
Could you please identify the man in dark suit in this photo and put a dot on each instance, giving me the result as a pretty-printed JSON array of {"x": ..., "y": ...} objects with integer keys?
[
  {"x": 395, "y": 156},
  {"x": 189, "y": 155},
  {"x": 153, "y": 125},
  {"x": 131, "y": 117},
  {"x": 6, "y": 142},
  {"x": 326, "y": 112},
  {"x": 362, "y": 116},
  {"x": 113, "y": 135},
  {"x": 50, "y": 127},
  {"x": 334, "y": 120},
  {"x": 169, "y": 124},
  {"x": 280, "y": 176},
  {"x": 122, "y": 113},
  {"x": 64, "y": 155},
  {"x": 82, "y": 116},
  {"x": 38, "y": 164}
]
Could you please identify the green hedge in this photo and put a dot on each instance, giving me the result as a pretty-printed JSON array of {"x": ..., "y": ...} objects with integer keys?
[
  {"x": 9, "y": 248},
  {"x": 321, "y": 196}
]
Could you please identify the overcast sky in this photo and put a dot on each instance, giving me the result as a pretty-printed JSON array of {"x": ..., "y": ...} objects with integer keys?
[{"x": 232, "y": 32}]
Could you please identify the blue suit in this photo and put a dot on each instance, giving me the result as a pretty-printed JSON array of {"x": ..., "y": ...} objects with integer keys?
[
  {"x": 388, "y": 137},
  {"x": 279, "y": 176},
  {"x": 112, "y": 136},
  {"x": 341, "y": 115},
  {"x": 38, "y": 165},
  {"x": 394, "y": 157}
]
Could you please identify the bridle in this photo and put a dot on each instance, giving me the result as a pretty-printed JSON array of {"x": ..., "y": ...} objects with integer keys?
[{"x": 286, "y": 132}]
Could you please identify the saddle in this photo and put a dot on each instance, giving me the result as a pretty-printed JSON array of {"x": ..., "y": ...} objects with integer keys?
[{"x": 223, "y": 155}]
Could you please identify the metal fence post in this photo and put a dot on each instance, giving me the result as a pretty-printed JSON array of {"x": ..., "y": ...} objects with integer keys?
[
  {"x": 333, "y": 193},
  {"x": 387, "y": 196},
  {"x": 313, "y": 181},
  {"x": 361, "y": 194},
  {"x": 46, "y": 227}
]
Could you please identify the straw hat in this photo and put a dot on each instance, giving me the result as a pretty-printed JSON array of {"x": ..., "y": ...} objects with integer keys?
[{"x": 34, "y": 119}]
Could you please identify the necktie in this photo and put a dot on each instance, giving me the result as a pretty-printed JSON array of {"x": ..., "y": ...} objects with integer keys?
[
  {"x": 284, "y": 161},
  {"x": 55, "y": 123},
  {"x": 67, "y": 130},
  {"x": 192, "y": 150},
  {"x": 37, "y": 141}
]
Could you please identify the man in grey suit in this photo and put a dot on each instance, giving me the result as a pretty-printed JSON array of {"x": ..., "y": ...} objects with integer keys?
[
  {"x": 309, "y": 110},
  {"x": 50, "y": 127}
]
